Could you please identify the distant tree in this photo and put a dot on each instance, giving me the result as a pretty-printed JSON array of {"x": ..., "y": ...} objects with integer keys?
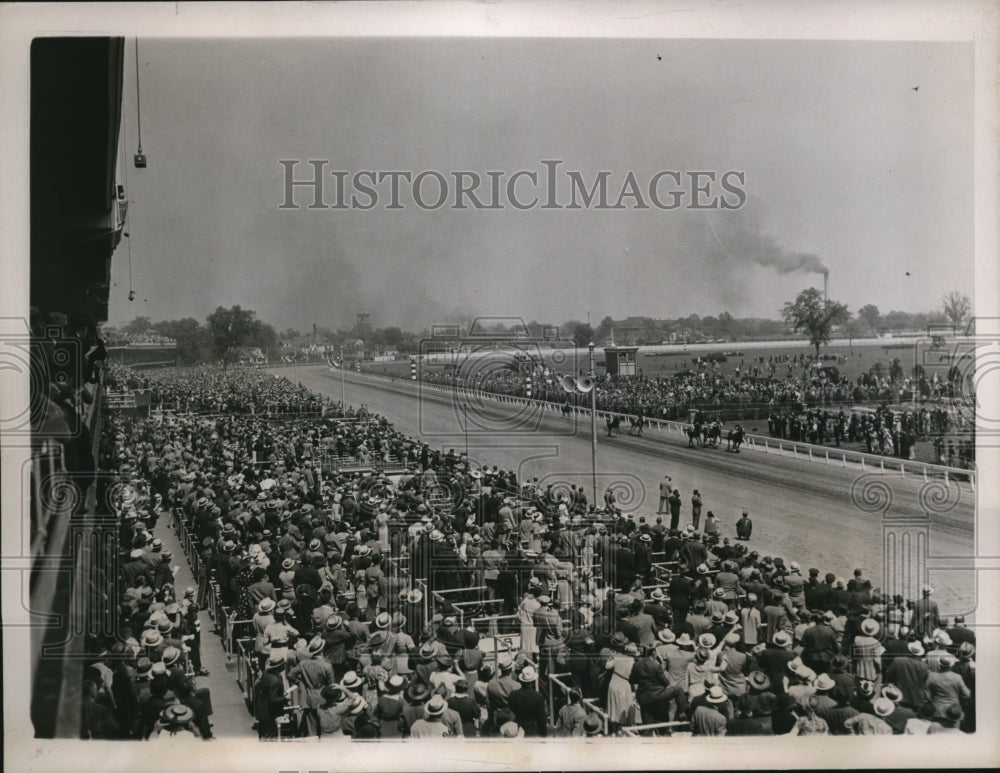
[
  {"x": 895, "y": 370},
  {"x": 603, "y": 330},
  {"x": 263, "y": 336},
  {"x": 193, "y": 339},
  {"x": 854, "y": 328},
  {"x": 582, "y": 334},
  {"x": 898, "y": 320},
  {"x": 290, "y": 334},
  {"x": 956, "y": 308},
  {"x": 815, "y": 315},
  {"x": 138, "y": 326},
  {"x": 230, "y": 330},
  {"x": 869, "y": 314}
]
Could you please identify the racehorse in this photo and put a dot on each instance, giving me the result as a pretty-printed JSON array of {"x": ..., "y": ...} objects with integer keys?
[
  {"x": 712, "y": 434},
  {"x": 735, "y": 439},
  {"x": 694, "y": 433},
  {"x": 636, "y": 423},
  {"x": 566, "y": 410},
  {"x": 614, "y": 425}
]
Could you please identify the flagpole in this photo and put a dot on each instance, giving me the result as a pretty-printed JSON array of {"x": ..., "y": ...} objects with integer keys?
[
  {"x": 593, "y": 424},
  {"x": 343, "y": 386}
]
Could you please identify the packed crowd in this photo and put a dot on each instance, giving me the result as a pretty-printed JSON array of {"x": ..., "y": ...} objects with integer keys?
[
  {"x": 882, "y": 430},
  {"x": 808, "y": 407},
  {"x": 340, "y": 576},
  {"x": 116, "y": 337},
  {"x": 744, "y": 394}
]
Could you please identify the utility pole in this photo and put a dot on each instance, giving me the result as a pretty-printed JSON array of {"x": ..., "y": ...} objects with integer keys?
[
  {"x": 343, "y": 385},
  {"x": 593, "y": 424}
]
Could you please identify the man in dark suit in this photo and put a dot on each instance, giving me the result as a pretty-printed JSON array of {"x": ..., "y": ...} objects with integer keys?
[
  {"x": 269, "y": 697},
  {"x": 528, "y": 705}
]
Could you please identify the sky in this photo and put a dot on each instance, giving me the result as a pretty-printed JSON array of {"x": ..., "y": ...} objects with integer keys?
[{"x": 856, "y": 157}]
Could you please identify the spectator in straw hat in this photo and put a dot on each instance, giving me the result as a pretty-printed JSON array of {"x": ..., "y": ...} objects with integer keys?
[
  {"x": 176, "y": 723},
  {"x": 774, "y": 659},
  {"x": 269, "y": 696},
  {"x": 909, "y": 673},
  {"x": 528, "y": 704},
  {"x": 311, "y": 674},
  {"x": 946, "y": 688},
  {"x": 867, "y": 652},
  {"x": 431, "y": 724},
  {"x": 900, "y": 715},
  {"x": 500, "y": 687},
  {"x": 712, "y": 713},
  {"x": 871, "y": 723}
]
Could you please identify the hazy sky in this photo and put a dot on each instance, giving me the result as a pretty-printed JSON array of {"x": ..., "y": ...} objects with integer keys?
[{"x": 845, "y": 163}]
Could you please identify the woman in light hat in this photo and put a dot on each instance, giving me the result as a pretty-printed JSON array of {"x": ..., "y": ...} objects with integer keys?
[{"x": 867, "y": 653}]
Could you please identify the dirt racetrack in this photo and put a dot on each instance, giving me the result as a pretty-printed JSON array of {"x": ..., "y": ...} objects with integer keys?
[{"x": 822, "y": 516}]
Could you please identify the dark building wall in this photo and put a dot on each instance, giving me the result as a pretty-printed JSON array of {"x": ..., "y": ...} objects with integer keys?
[{"x": 76, "y": 97}]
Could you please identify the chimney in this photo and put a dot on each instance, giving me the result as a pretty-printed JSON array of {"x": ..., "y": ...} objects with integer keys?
[
  {"x": 314, "y": 333},
  {"x": 826, "y": 282}
]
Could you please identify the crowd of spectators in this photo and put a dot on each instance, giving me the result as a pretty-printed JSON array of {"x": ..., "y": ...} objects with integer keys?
[
  {"x": 804, "y": 404},
  {"x": 339, "y": 573},
  {"x": 115, "y": 337}
]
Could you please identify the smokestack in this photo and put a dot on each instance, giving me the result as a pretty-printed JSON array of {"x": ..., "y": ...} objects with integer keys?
[
  {"x": 314, "y": 333},
  {"x": 826, "y": 282}
]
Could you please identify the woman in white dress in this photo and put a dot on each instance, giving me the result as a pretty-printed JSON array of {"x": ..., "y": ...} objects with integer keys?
[{"x": 621, "y": 701}]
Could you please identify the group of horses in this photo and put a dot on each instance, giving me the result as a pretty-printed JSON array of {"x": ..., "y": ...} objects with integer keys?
[
  {"x": 701, "y": 434},
  {"x": 705, "y": 434},
  {"x": 636, "y": 423}
]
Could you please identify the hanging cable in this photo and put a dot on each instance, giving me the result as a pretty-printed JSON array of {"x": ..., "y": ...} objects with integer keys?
[
  {"x": 128, "y": 236},
  {"x": 140, "y": 158},
  {"x": 138, "y": 102}
]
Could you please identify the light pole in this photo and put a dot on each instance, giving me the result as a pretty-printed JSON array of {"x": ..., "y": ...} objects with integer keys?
[
  {"x": 593, "y": 424},
  {"x": 343, "y": 385},
  {"x": 465, "y": 412}
]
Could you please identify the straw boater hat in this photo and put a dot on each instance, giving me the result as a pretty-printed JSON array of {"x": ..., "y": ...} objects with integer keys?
[
  {"x": 528, "y": 675},
  {"x": 333, "y": 622},
  {"x": 684, "y": 640},
  {"x": 266, "y": 605},
  {"x": 916, "y": 648},
  {"x": 316, "y": 646},
  {"x": 351, "y": 681},
  {"x": 824, "y": 683},
  {"x": 883, "y": 707},
  {"x": 435, "y": 706},
  {"x": 176, "y": 714},
  {"x": 714, "y": 694},
  {"x": 707, "y": 640},
  {"x": 171, "y": 655},
  {"x": 869, "y": 626},
  {"x": 759, "y": 681},
  {"x": 276, "y": 662},
  {"x": 666, "y": 636}
]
